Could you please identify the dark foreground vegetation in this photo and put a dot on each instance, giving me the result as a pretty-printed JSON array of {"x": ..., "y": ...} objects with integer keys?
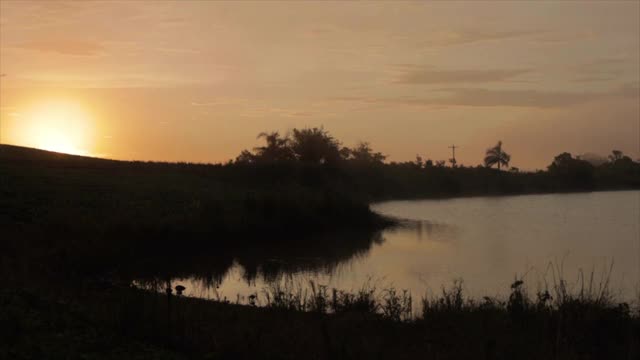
[
  {"x": 125, "y": 322},
  {"x": 77, "y": 231}
]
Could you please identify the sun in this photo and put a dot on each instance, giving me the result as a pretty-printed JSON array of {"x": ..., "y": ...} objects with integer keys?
[{"x": 59, "y": 125}]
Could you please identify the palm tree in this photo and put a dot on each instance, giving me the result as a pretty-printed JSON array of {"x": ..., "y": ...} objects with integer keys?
[{"x": 496, "y": 155}]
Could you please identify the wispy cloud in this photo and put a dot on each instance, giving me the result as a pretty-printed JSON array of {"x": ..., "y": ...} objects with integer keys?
[
  {"x": 62, "y": 46},
  {"x": 514, "y": 98},
  {"x": 179, "y": 50},
  {"x": 600, "y": 70},
  {"x": 277, "y": 111},
  {"x": 560, "y": 38},
  {"x": 220, "y": 101},
  {"x": 416, "y": 75},
  {"x": 250, "y": 108},
  {"x": 460, "y": 37},
  {"x": 481, "y": 97}
]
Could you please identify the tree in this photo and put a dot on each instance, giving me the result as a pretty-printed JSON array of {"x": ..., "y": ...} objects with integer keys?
[
  {"x": 419, "y": 161},
  {"x": 246, "y": 157},
  {"x": 561, "y": 161},
  {"x": 363, "y": 154},
  {"x": 615, "y": 156},
  {"x": 496, "y": 155},
  {"x": 315, "y": 145},
  {"x": 572, "y": 172},
  {"x": 621, "y": 163},
  {"x": 594, "y": 159},
  {"x": 277, "y": 147}
]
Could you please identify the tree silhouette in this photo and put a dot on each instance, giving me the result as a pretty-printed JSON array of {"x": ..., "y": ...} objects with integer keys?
[
  {"x": 571, "y": 172},
  {"x": 315, "y": 145},
  {"x": 363, "y": 154},
  {"x": 615, "y": 156},
  {"x": 496, "y": 155},
  {"x": 245, "y": 157},
  {"x": 277, "y": 147},
  {"x": 419, "y": 161}
]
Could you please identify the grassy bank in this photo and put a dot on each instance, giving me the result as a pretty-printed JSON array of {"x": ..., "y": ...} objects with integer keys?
[
  {"x": 87, "y": 214},
  {"x": 48, "y": 192},
  {"x": 321, "y": 324}
]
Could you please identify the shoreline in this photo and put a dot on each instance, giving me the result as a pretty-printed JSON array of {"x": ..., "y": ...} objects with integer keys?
[
  {"x": 331, "y": 325},
  {"x": 472, "y": 196}
]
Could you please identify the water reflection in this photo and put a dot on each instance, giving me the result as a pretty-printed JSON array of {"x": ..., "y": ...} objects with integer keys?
[
  {"x": 314, "y": 256},
  {"x": 263, "y": 262},
  {"x": 485, "y": 241},
  {"x": 427, "y": 230}
]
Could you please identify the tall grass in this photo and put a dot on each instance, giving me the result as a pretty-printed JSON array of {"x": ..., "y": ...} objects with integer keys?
[
  {"x": 397, "y": 304},
  {"x": 288, "y": 320}
]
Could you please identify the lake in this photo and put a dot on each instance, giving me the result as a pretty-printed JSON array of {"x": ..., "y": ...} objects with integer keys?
[{"x": 485, "y": 241}]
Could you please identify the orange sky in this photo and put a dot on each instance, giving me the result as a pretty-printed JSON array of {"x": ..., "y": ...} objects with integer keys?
[{"x": 197, "y": 81}]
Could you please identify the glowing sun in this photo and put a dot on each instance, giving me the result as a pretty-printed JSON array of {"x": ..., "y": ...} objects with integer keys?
[{"x": 59, "y": 126}]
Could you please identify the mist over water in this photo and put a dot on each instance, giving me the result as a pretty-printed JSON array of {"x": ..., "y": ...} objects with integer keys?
[{"x": 485, "y": 241}]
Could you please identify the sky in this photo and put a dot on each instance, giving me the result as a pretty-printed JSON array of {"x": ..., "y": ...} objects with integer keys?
[{"x": 198, "y": 80}]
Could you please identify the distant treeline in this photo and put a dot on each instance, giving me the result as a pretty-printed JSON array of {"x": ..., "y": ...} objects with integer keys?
[
  {"x": 363, "y": 171},
  {"x": 283, "y": 191}
]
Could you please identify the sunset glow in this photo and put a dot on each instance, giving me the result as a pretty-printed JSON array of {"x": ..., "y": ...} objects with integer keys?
[
  {"x": 60, "y": 126},
  {"x": 198, "y": 80}
]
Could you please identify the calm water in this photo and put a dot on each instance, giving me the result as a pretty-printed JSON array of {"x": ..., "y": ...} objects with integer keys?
[{"x": 486, "y": 241}]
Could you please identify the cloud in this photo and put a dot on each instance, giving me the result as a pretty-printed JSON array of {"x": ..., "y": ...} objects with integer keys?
[
  {"x": 174, "y": 20},
  {"x": 179, "y": 51},
  {"x": 600, "y": 70},
  {"x": 38, "y": 15},
  {"x": 64, "y": 47},
  {"x": 629, "y": 90},
  {"x": 564, "y": 37},
  {"x": 318, "y": 31},
  {"x": 515, "y": 98},
  {"x": 598, "y": 78},
  {"x": 460, "y": 37},
  {"x": 480, "y": 97},
  {"x": 289, "y": 112},
  {"x": 221, "y": 101},
  {"x": 250, "y": 108},
  {"x": 417, "y": 75},
  {"x": 261, "y": 111}
]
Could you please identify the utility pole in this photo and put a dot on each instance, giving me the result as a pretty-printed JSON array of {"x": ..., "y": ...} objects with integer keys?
[{"x": 453, "y": 159}]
